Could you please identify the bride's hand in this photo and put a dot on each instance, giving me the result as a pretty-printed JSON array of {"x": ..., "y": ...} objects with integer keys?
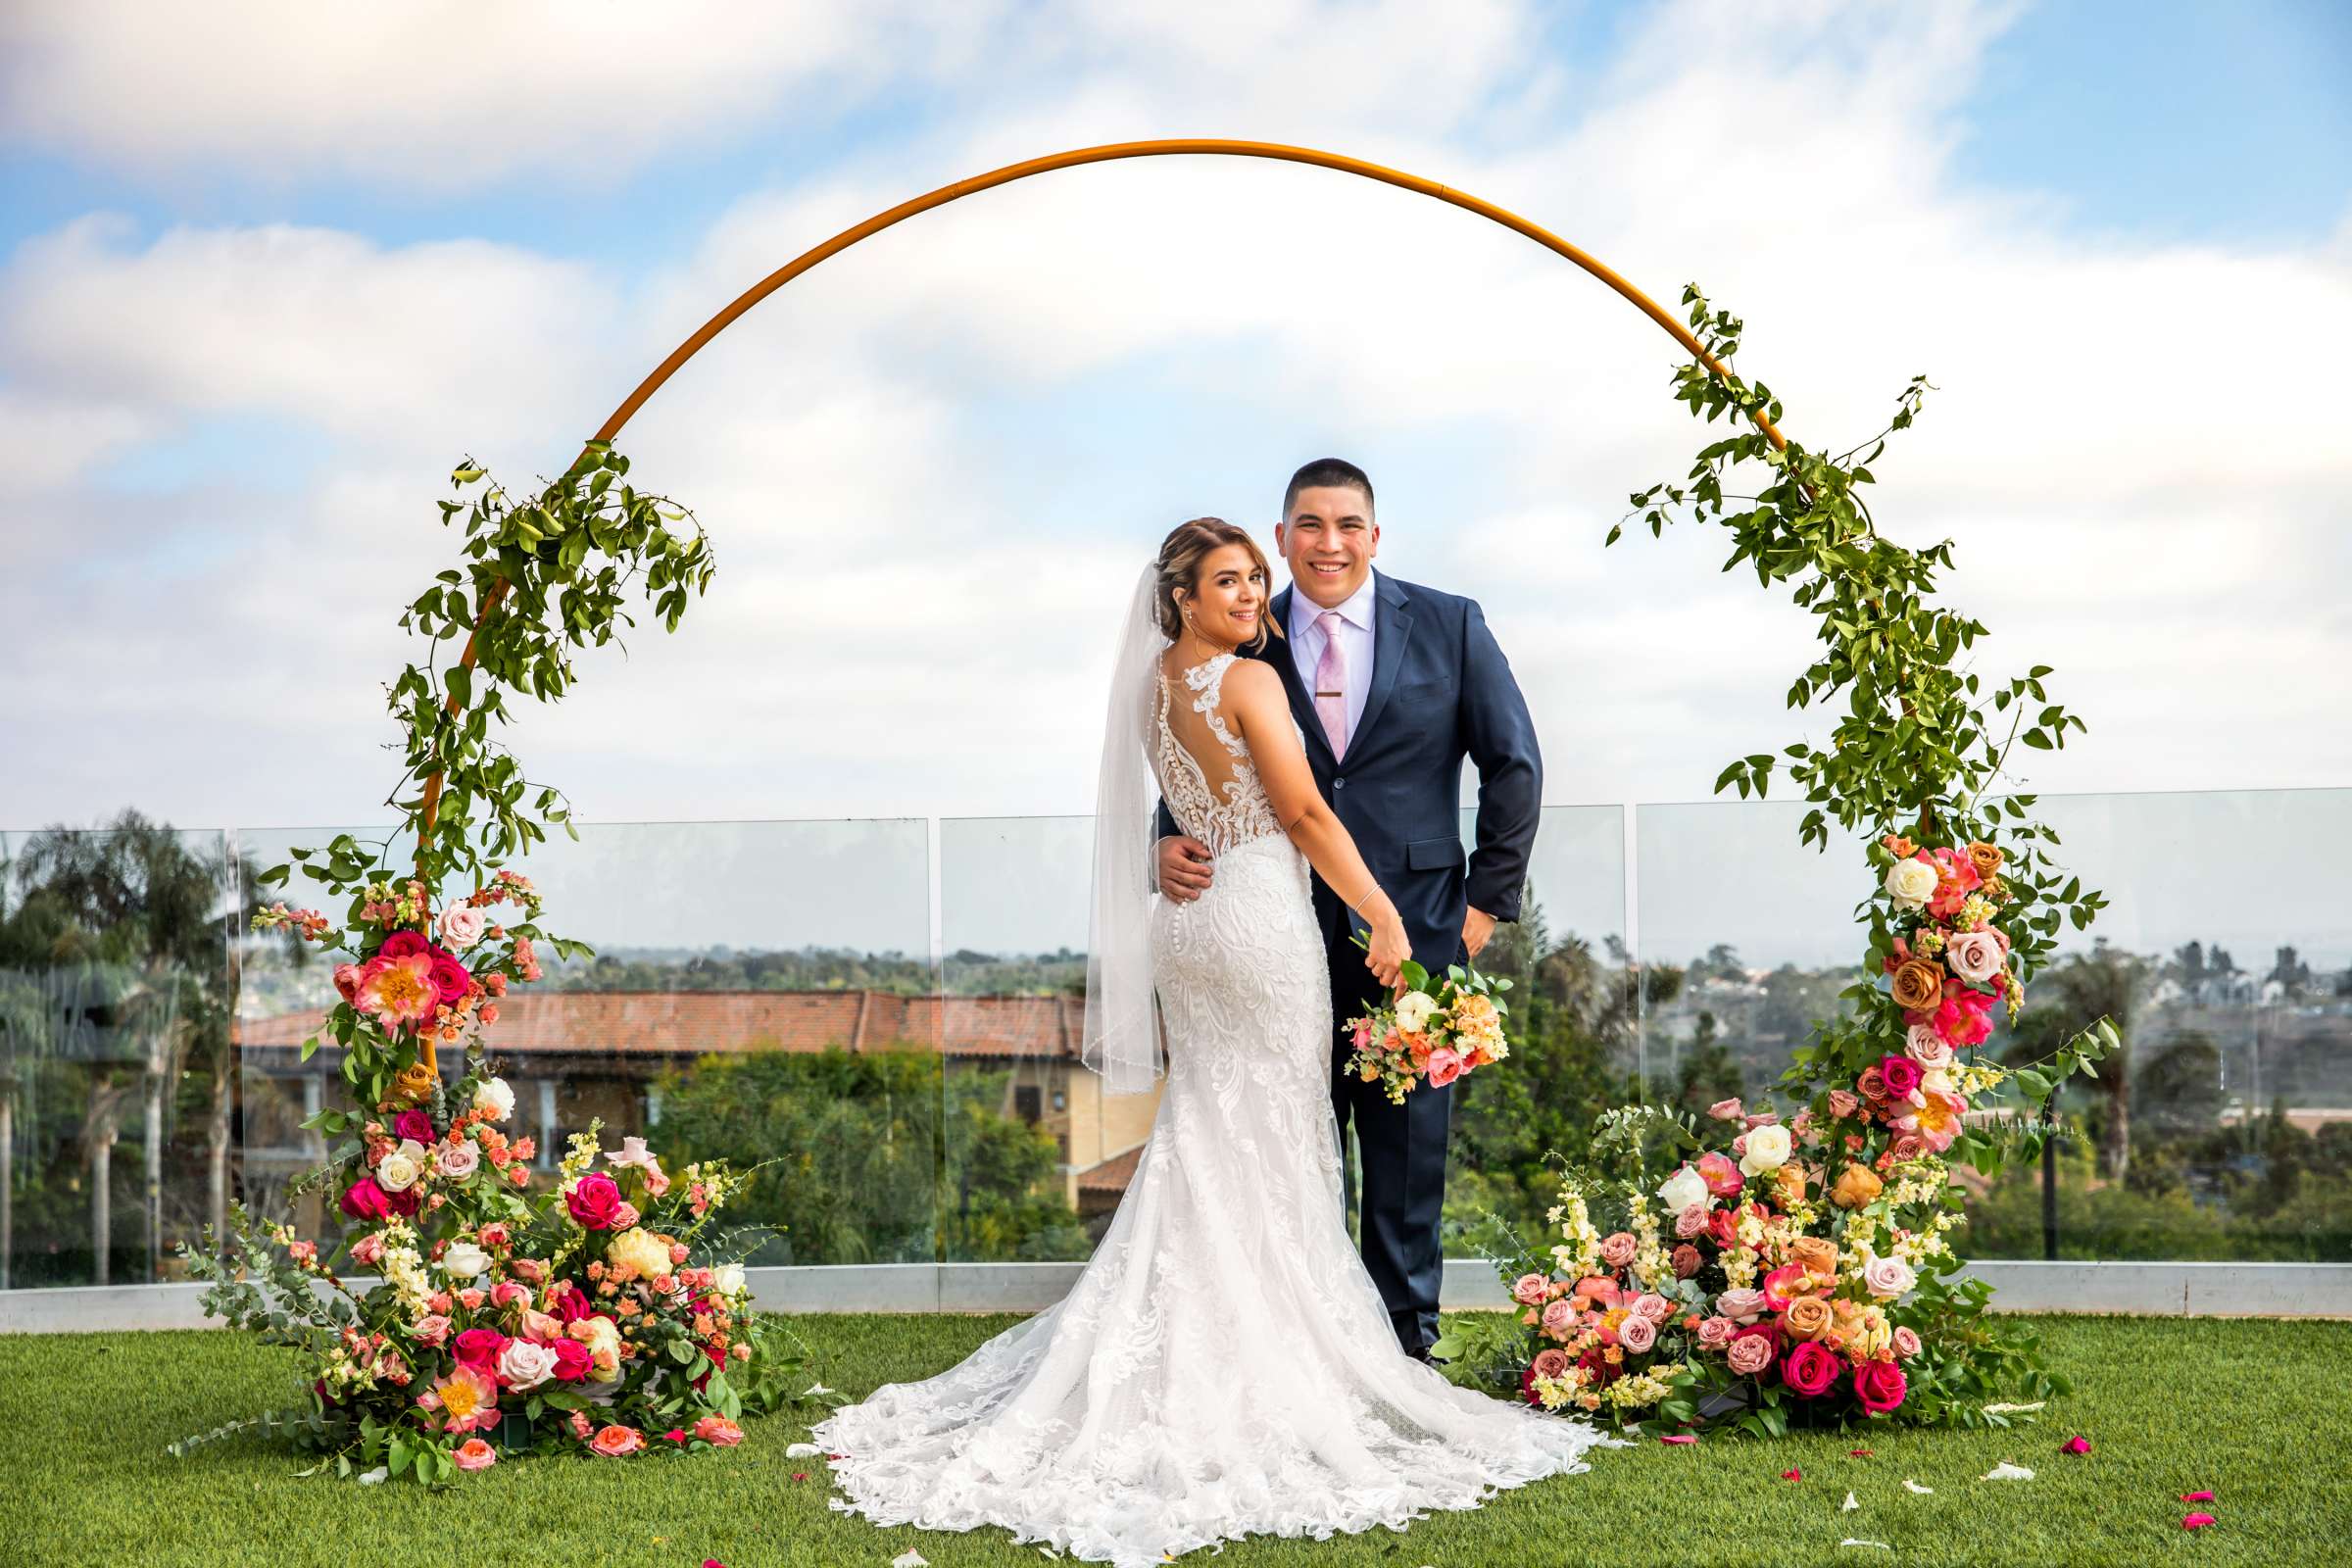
[{"x": 1390, "y": 948}]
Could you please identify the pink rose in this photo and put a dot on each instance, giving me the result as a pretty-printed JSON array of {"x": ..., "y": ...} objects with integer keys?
[
  {"x": 1714, "y": 1333},
  {"x": 1872, "y": 1083},
  {"x": 572, "y": 1360},
  {"x": 1900, "y": 1075},
  {"x": 1444, "y": 1066},
  {"x": 460, "y": 1160},
  {"x": 1721, "y": 1175},
  {"x": 480, "y": 1349},
  {"x": 429, "y": 1331},
  {"x": 347, "y": 981},
  {"x": 1880, "y": 1386},
  {"x": 1530, "y": 1290},
  {"x": 414, "y": 1124},
  {"x": 1748, "y": 1355},
  {"x": 718, "y": 1431},
  {"x": 1809, "y": 1369},
  {"x": 1906, "y": 1342},
  {"x": 1636, "y": 1333},
  {"x": 505, "y": 1293},
  {"x": 541, "y": 1327},
  {"x": 612, "y": 1441},
  {"x": 530, "y": 1269},
  {"x": 473, "y": 1454},
  {"x": 1975, "y": 957},
  {"x": 368, "y": 1250},
  {"x": 471, "y": 1298},
  {"x": 1905, "y": 1147},
  {"x": 450, "y": 978},
  {"x": 1692, "y": 1222},
  {"x": 1559, "y": 1319},
  {"x": 1617, "y": 1249},
  {"x": 1653, "y": 1306},
  {"x": 1762, "y": 1118},
  {"x": 1927, "y": 1047},
  {"x": 1725, "y": 1109},
  {"x": 494, "y": 1234},
  {"x": 462, "y": 925},
  {"x": 1551, "y": 1362},
  {"x": 595, "y": 1203},
  {"x": 1843, "y": 1105},
  {"x": 524, "y": 1365},
  {"x": 1685, "y": 1260},
  {"x": 1740, "y": 1305}
]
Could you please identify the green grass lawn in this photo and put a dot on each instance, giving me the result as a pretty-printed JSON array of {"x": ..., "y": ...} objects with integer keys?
[{"x": 2254, "y": 1411}]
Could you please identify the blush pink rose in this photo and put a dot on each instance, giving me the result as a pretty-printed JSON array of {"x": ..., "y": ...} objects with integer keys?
[
  {"x": 1740, "y": 1305},
  {"x": 1843, "y": 1105},
  {"x": 429, "y": 1330},
  {"x": 1559, "y": 1319},
  {"x": 1530, "y": 1290},
  {"x": 1692, "y": 1222},
  {"x": 1725, "y": 1109},
  {"x": 541, "y": 1328},
  {"x": 368, "y": 1250},
  {"x": 625, "y": 1215},
  {"x": 462, "y": 925},
  {"x": 1714, "y": 1333},
  {"x": 1653, "y": 1306},
  {"x": 1636, "y": 1333},
  {"x": 1748, "y": 1355},
  {"x": 1617, "y": 1249},
  {"x": 1975, "y": 955},
  {"x": 1927, "y": 1047},
  {"x": 1906, "y": 1342},
  {"x": 460, "y": 1160},
  {"x": 505, "y": 1293}
]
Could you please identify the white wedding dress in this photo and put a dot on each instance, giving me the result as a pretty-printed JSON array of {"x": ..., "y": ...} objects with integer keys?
[{"x": 1223, "y": 1366}]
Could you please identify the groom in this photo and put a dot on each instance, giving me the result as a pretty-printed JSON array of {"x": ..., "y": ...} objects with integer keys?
[{"x": 1394, "y": 685}]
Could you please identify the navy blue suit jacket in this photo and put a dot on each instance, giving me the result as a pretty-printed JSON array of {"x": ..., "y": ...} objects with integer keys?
[{"x": 1441, "y": 691}]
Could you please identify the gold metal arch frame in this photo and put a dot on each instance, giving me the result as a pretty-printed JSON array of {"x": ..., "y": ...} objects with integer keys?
[{"x": 1111, "y": 152}]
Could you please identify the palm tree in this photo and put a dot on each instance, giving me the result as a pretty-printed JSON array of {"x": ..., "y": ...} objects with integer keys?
[{"x": 2070, "y": 997}]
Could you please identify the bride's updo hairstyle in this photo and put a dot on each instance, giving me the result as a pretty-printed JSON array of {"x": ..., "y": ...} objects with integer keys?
[{"x": 1179, "y": 564}]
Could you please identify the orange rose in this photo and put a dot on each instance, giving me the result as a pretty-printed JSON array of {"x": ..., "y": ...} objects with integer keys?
[
  {"x": 1857, "y": 1185},
  {"x": 1918, "y": 985},
  {"x": 1902, "y": 849},
  {"x": 1816, "y": 1255},
  {"x": 1807, "y": 1318},
  {"x": 1791, "y": 1180},
  {"x": 1986, "y": 858},
  {"x": 413, "y": 1085}
]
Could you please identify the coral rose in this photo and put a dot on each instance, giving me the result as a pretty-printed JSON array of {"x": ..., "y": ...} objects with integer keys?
[
  {"x": 721, "y": 1432},
  {"x": 615, "y": 1441},
  {"x": 1918, "y": 985},
  {"x": 1880, "y": 1386},
  {"x": 1857, "y": 1185},
  {"x": 473, "y": 1454},
  {"x": 1809, "y": 1369},
  {"x": 1721, "y": 1177},
  {"x": 1809, "y": 1317}
]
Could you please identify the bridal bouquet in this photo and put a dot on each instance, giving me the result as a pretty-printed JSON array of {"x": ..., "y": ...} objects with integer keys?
[
  {"x": 1433, "y": 1028},
  {"x": 1801, "y": 1270},
  {"x": 582, "y": 1313}
]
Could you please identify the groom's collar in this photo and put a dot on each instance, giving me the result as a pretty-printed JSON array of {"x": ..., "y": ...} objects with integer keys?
[{"x": 1357, "y": 607}]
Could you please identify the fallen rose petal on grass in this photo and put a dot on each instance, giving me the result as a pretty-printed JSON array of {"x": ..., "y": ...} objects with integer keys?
[
  {"x": 2005, "y": 1471},
  {"x": 1679, "y": 1437},
  {"x": 2077, "y": 1445},
  {"x": 2197, "y": 1521},
  {"x": 2197, "y": 1496},
  {"x": 1793, "y": 1475},
  {"x": 1859, "y": 1453}
]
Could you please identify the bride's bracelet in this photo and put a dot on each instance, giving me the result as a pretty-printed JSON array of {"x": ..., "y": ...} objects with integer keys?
[{"x": 1358, "y": 905}]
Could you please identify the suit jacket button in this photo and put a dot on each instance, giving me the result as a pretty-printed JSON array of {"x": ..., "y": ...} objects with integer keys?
[{"x": 1338, "y": 783}]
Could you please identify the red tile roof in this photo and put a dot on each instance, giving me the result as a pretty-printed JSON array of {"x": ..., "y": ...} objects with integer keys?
[
  {"x": 1113, "y": 1174},
  {"x": 701, "y": 1022}
]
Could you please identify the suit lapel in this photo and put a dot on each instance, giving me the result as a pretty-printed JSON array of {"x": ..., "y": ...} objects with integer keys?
[
  {"x": 1279, "y": 654},
  {"x": 1392, "y": 624}
]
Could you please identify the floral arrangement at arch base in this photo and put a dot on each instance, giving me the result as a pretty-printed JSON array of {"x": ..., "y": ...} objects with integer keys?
[
  {"x": 592, "y": 1309},
  {"x": 1799, "y": 1272}
]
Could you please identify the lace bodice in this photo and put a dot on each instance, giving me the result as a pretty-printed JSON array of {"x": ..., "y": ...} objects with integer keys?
[{"x": 1229, "y": 808}]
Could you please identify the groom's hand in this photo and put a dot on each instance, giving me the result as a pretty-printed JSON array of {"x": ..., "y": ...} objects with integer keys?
[
  {"x": 1477, "y": 927},
  {"x": 1185, "y": 868}
]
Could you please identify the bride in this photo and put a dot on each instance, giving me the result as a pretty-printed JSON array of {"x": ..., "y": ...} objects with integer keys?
[{"x": 1224, "y": 1364}]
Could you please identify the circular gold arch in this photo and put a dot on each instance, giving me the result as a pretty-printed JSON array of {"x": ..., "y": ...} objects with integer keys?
[{"x": 1110, "y": 152}]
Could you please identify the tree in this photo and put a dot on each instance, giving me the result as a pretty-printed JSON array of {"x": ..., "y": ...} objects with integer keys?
[
  {"x": 2069, "y": 998},
  {"x": 2179, "y": 1090}
]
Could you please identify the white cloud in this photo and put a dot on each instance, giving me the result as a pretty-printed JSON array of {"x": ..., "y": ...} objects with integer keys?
[{"x": 904, "y": 456}]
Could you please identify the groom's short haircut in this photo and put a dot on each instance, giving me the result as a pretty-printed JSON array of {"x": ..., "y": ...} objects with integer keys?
[{"x": 1322, "y": 473}]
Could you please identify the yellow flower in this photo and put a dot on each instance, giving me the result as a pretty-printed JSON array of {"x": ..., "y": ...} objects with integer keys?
[{"x": 640, "y": 1251}]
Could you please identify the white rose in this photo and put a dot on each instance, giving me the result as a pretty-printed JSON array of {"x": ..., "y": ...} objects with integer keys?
[
  {"x": 398, "y": 1171},
  {"x": 1414, "y": 1009},
  {"x": 465, "y": 1261},
  {"x": 1767, "y": 1149},
  {"x": 1685, "y": 1188},
  {"x": 494, "y": 1098},
  {"x": 1910, "y": 883},
  {"x": 727, "y": 1279},
  {"x": 525, "y": 1365}
]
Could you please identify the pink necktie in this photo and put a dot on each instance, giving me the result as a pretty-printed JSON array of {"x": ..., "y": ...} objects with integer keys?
[{"x": 1331, "y": 684}]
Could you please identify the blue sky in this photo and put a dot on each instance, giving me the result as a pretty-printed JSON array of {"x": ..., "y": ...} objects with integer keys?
[{"x": 339, "y": 253}]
